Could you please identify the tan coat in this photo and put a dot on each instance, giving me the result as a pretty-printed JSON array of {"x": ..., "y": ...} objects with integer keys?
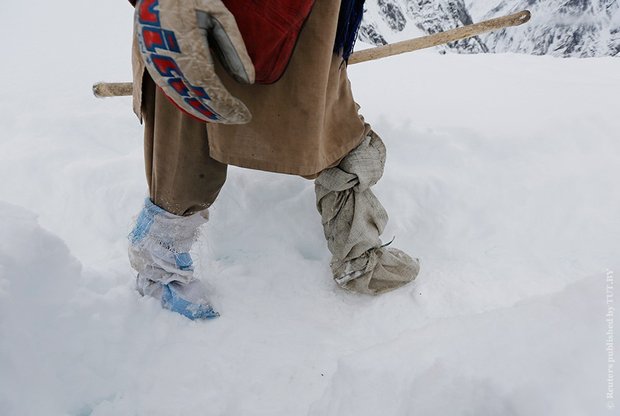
[{"x": 303, "y": 123}]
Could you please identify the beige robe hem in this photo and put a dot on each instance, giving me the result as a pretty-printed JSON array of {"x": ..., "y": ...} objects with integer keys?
[{"x": 309, "y": 171}]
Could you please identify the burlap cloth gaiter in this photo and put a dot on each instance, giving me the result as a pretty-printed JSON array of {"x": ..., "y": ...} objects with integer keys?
[{"x": 353, "y": 219}]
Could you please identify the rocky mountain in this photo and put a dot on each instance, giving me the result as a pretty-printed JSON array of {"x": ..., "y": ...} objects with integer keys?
[
  {"x": 387, "y": 21},
  {"x": 568, "y": 28},
  {"x": 577, "y": 28}
]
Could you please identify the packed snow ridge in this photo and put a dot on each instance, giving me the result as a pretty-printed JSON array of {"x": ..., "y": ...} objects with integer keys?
[
  {"x": 502, "y": 180},
  {"x": 564, "y": 28},
  {"x": 505, "y": 186}
]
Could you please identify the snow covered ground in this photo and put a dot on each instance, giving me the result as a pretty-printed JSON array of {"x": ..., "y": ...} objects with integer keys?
[{"x": 501, "y": 176}]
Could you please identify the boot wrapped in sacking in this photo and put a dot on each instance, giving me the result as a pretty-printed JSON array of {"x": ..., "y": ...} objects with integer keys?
[{"x": 353, "y": 219}]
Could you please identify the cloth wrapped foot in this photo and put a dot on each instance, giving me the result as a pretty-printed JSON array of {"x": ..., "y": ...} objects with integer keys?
[
  {"x": 159, "y": 248},
  {"x": 376, "y": 271},
  {"x": 353, "y": 220},
  {"x": 188, "y": 299}
]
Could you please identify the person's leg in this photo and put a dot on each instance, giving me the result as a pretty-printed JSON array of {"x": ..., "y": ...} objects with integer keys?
[
  {"x": 183, "y": 179},
  {"x": 353, "y": 219},
  {"x": 183, "y": 182}
]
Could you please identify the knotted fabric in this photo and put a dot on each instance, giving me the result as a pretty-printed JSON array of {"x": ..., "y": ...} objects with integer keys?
[{"x": 353, "y": 219}]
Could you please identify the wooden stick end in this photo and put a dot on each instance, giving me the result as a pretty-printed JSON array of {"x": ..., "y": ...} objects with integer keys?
[{"x": 525, "y": 17}]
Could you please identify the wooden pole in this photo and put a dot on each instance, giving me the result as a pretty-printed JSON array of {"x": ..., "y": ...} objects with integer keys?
[
  {"x": 119, "y": 89},
  {"x": 112, "y": 89},
  {"x": 440, "y": 38}
]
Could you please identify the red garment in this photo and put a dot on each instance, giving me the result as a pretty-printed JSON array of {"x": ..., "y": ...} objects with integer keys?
[{"x": 270, "y": 29}]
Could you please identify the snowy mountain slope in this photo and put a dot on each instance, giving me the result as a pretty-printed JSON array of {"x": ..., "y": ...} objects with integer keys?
[
  {"x": 582, "y": 28},
  {"x": 89, "y": 346},
  {"x": 431, "y": 354},
  {"x": 505, "y": 186},
  {"x": 479, "y": 8},
  {"x": 387, "y": 21}
]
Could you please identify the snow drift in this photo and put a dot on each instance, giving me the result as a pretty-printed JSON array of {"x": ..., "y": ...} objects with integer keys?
[{"x": 501, "y": 176}]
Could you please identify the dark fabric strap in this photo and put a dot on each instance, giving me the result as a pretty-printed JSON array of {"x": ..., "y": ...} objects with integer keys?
[{"x": 349, "y": 21}]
